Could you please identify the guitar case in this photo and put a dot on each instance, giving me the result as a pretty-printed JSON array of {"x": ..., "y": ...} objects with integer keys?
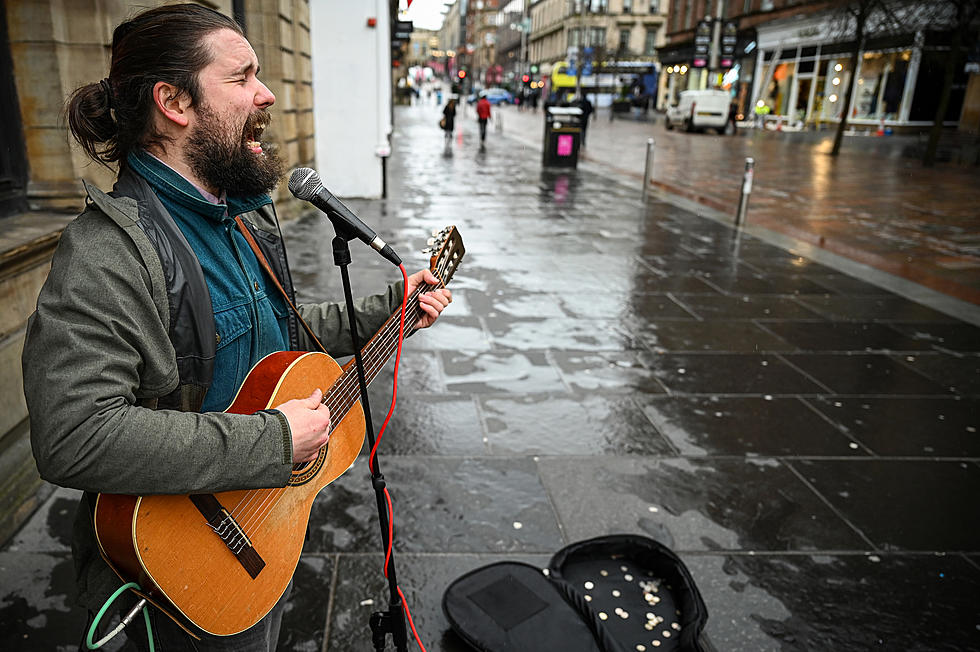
[{"x": 618, "y": 593}]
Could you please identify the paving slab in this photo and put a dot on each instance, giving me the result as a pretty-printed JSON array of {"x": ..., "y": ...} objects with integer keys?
[{"x": 799, "y": 426}]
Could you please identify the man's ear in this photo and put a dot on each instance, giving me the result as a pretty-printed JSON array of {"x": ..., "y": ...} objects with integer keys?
[{"x": 171, "y": 102}]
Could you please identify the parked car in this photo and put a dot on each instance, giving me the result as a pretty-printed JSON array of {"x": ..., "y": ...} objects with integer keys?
[
  {"x": 494, "y": 95},
  {"x": 696, "y": 110}
]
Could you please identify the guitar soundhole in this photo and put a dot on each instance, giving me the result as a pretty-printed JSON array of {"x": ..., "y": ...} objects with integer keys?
[{"x": 306, "y": 471}]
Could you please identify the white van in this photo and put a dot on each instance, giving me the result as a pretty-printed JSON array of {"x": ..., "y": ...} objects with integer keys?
[{"x": 699, "y": 110}]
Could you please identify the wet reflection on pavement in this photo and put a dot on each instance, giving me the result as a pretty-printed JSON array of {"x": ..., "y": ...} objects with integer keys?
[{"x": 804, "y": 439}]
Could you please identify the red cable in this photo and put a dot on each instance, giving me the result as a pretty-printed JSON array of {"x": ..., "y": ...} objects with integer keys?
[
  {"x": 398, "y": 358},
  {"x": 374, "y": 450}
]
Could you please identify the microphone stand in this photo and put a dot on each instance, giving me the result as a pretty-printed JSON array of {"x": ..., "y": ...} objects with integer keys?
[{"x": 393, "y": 620}]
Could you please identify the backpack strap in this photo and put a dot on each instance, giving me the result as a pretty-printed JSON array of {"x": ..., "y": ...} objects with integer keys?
[{"x": 268, "y": 269}]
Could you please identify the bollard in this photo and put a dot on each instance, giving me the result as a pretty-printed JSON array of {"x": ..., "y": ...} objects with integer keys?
[
  {"x": 648, "y": 169},
  {"x": 743, "y": 199}
]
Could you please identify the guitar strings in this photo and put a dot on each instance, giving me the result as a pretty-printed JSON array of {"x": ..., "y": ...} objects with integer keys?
[
  {"x": 247, "y": 513},
  {"x": 378, "y": 358}
]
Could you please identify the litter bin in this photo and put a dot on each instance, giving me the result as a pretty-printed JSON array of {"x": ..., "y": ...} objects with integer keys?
[{"x": 562, "y": 136}]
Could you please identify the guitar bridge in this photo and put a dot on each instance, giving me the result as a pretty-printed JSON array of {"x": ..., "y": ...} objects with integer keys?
[{"x": 230, "y": 532}]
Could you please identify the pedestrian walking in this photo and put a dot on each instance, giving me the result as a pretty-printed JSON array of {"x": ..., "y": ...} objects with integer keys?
[
  {"x": 159, "y": 301},
  {"x": 482, "y": 116},
  {"x": 732, "y": 117},
  {"x": 587, "y": 109},
  {"x": 448, "y": 122},
  {"x": 761, "y": 111}
]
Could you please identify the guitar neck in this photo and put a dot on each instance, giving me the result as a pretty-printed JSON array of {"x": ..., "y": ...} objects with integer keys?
[{"x": 375, "y": 354}]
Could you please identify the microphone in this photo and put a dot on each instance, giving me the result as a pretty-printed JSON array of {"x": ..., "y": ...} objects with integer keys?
[{"x": 305, "y": 184}]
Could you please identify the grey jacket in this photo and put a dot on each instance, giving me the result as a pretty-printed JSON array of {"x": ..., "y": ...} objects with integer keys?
[{"x": 97, "y": 353}]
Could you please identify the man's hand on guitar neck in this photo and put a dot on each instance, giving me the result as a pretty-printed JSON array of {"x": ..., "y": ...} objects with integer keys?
[
  {"x": 309, "y": 423},
  {"x": 432, "y": 303}
]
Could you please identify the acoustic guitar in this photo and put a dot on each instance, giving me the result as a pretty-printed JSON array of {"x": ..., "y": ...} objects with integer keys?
[{"x": 221, "y": 561}]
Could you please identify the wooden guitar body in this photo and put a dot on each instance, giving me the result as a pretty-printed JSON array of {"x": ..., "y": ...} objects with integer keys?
[
  {"x": 167, "y": 546},
  {"x": 221, "y": 561}
]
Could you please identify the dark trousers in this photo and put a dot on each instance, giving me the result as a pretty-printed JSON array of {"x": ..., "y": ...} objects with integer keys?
[{"x": 483, "y": 129}]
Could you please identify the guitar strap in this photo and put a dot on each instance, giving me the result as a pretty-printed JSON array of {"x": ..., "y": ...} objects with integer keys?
[{"x": 268, "y": 270}]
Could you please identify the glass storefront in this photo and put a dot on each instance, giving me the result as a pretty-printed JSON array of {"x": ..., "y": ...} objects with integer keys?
[{"x": 806, "y": 87}]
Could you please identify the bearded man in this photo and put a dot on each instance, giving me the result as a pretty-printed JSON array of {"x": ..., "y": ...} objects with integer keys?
[{"x": 156, "y": 306}]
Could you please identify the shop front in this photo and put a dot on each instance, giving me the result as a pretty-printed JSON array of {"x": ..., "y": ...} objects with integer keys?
[
  {"x": 681, "y": 74},
  {"x": 804, "y": 74}
]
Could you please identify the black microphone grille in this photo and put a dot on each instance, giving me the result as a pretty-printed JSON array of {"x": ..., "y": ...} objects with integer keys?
[{"x": 304, "y": 183}]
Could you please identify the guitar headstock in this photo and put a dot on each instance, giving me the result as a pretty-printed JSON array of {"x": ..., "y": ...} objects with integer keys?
[{"x": 446, "y": 247}]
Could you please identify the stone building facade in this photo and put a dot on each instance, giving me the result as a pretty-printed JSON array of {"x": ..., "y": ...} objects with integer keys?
[{"x": 47, "y": 49}]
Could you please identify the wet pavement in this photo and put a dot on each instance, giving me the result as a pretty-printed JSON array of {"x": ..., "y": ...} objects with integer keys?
[
  {"x": 875, "y": 204},
  {"x": 805, "y": 439}
]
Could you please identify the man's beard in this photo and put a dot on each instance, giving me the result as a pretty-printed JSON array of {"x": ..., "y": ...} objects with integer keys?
[{"x": 224, "y": 162}]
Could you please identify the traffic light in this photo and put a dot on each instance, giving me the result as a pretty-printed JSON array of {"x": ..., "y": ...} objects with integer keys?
[
  {"x": 461, "y": 74},
  {"x": 526, "y": 78}
]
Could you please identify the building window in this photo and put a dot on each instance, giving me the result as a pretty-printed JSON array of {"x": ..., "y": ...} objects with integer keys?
[
  {"x": 747, "y": 7},
  {"x": 574, "y": 37},
  {"x": 654, "y": 6},
  {"x": 597, "y": 36},
  {"x": 688, "y": 14},
  {"x": 627, "y": 6},
  {"x": 650, "y": 44},
  {"x": 767, "y": 5},
  {"x": 624, "y": 40}
]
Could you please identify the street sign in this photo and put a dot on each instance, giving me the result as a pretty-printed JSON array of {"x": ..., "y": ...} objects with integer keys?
[
  {"x": 702, "y": 44},
  {"x": 402, "y": 30},
  {"x": 729, "y": 37}
]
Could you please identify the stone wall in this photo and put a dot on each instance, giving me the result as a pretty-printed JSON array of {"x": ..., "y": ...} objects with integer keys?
[
  {"x": 26, "y": 245},
  {"x": 59, "y": 46}
]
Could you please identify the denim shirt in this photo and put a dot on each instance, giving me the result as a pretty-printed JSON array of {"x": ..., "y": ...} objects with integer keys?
[{"x": 250, "y": 314}]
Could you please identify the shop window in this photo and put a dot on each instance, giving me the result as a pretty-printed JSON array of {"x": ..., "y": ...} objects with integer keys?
[
  {"x": 929, "y": 86},
  {"x": 777, "y": 95},
  {"x": 806, "y": 67},
  {"x": 880, "y": 85},
  {"x": 835, "y": 81}
]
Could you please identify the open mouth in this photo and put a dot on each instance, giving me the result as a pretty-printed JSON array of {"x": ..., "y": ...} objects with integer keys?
[{"x": 252, "y": 133}]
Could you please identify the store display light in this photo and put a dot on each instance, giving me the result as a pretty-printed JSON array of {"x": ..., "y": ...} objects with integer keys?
[
  {"x": 839, "y": 67},
  {"x": 683, "y": 70},
  {"x": 836, "y": 81},
  {"x": 832, "y": 98}
]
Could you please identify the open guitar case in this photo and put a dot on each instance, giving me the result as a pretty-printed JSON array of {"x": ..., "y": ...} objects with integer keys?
[{"x": 618, "y": 593}]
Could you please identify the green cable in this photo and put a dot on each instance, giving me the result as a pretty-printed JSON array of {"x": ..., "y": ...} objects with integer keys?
[{"x": 108, "y": 603}]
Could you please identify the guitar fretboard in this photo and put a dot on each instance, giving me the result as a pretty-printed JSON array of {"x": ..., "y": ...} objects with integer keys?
[{"x": 345, "y": 392}]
